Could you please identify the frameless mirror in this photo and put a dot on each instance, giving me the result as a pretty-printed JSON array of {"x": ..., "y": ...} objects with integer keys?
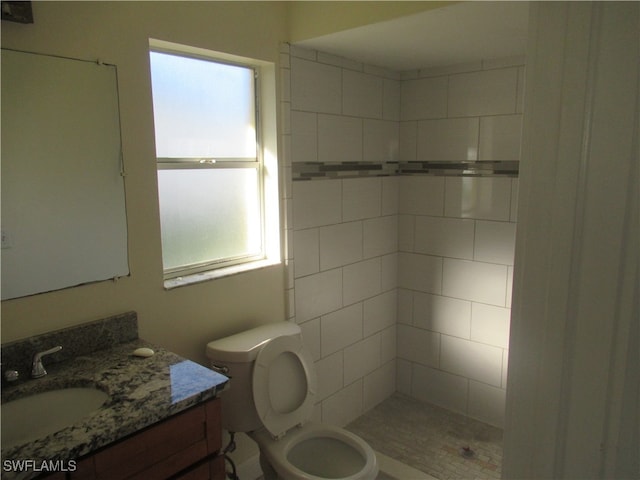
[{"x": 63, "y": 202}]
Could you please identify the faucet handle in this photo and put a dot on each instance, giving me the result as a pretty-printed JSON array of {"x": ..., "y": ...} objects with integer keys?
[{"x": 37, "y": 369}]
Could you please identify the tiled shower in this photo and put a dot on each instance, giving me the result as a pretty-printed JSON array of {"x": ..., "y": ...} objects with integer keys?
[{"x": 400, "y": 256}]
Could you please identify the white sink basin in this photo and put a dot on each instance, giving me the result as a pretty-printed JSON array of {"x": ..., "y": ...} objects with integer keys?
[{"x": 41, "y": 414}]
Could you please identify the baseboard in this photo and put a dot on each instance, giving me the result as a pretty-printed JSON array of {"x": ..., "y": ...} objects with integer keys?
[{"x": 250, "y": 469}]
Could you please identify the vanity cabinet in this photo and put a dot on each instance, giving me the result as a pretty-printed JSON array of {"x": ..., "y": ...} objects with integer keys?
[{"x": 184, "y": 446}]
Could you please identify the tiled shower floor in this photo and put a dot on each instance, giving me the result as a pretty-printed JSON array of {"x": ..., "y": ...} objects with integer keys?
[{"x": 432, "y": 439}]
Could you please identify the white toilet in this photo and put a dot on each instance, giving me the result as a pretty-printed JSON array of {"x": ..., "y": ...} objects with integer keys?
[{"x": 273, "y": 386}]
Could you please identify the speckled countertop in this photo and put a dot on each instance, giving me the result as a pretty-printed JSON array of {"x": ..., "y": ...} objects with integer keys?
[{"x": 142, "y": 391}]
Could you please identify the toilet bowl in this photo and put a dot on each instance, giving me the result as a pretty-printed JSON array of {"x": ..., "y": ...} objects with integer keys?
[{"x": 273, "y": 388}]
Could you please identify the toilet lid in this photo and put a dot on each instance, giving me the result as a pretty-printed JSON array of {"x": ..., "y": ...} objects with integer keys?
[{"x": 284, "y": 384}]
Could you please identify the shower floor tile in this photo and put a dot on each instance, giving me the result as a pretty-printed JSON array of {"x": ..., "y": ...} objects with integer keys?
[{"x": 431, "y": 439}]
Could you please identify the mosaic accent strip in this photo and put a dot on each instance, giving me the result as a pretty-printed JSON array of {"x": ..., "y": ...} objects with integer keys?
[{"x": 328, "y": 170}]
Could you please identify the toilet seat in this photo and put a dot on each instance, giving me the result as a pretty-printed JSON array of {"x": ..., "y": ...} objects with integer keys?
[
  {"x": 281, "y": 454},
  {"x": 284, "y": 384}
]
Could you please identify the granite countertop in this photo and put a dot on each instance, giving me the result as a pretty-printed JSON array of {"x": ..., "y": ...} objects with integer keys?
[{"x": 142, "y": 391}]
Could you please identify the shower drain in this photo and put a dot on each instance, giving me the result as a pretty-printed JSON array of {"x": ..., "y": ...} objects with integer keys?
[{"x": 466, "y": 452}]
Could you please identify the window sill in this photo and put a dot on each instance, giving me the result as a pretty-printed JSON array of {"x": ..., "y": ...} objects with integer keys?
[{"x": 176, "y": 282}]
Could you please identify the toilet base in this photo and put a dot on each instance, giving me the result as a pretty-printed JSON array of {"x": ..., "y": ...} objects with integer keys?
[{"x": 267, "y": 470}]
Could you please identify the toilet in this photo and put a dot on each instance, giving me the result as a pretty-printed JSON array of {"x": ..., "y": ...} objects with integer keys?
[{"x": 273, "y": 387}]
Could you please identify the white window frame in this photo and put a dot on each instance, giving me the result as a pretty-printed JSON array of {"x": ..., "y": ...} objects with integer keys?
[{"x": 265, "y": 164}]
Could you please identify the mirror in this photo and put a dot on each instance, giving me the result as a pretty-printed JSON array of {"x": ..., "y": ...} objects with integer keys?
[{"x": 63, "y": 202}]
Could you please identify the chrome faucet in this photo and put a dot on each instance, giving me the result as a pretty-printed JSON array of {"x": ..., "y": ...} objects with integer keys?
[{"x": 37, "y": 369}]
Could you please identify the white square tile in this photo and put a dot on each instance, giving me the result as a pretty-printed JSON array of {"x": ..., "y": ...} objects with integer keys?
[
  {"x": 389, "y": 271},
  {"x": 505, "y": 367},
  {"x": 420, "y": 272},
  {"x": 388, "y": 344},
  {"x": 361, "y": 358},
  {"x": 475, "y": 281},
  {"x": 329, "y": 372},
  {"x": 509, "y": 286},
  {"x": 390, "y": 195},
  {"x": 304, "y": 137},
  {"x": 344, "y": 406},
  {"x": 487, "y": 403},
  {"x": 408, "y": 135},
  {"x": 317, "y": 203},
  {"x": 380, "y": 236},
  {"x": 391, "y": 99},
  {"x": 311, "y": 335},
  {"x": 315, "y": 87},
  {"x": 403, "y": 376},
  {"x": 405, "y": 306},
  {"x": 440, "y": 388},
  {"x": 478, "y": 197},
  {"x": 418, "y": 345},
  {"x": 421, "y": 195},
  {"x": 471, "y": 360},
  {"x": 446, "y": 315},
  {"x": 318, "y": 294},
  {"x": 495, "y": 242},
  {"x": 361, "y": 198},
  {"x": 423, "y": 98},
  {"x": 452, "y": 139},
  {"x": 340, "y": 244},
  {"x": 340, "y": 329},
  {"x": 380, "y": 312},
  {"x": 500, "y": 137},
  {"x": 490, "y": 92},
  {"x": 490, "y": 324},
  {"x": 339, "y": 139},
  {"x": 361, "y": 280},
  {"x": 406, "y": 232},
  {"x": 380, "y": 141},
  {"x": 306, "y": 251},
  {"x": 379, "y": 385},
  {"x": 362, "y": 94},
  {"x": 444, "y": 237}
]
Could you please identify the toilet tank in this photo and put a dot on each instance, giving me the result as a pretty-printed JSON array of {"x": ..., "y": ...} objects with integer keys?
[{"x": 237, "y": 354}]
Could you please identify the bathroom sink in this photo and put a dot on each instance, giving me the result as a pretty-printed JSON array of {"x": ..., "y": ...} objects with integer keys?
[{"x": 38, "y": 415}]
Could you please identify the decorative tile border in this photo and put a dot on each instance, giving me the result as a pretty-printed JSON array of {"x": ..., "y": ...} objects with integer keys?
[{"x": 331, "y": 170}]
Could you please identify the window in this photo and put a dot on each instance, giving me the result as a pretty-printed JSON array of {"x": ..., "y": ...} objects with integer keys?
[{"x": 214, "y": 172}]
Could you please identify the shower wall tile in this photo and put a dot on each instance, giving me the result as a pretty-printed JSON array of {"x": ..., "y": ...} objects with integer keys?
[
  {"x": 450, "y": 316},
  {"x": 339, "y": 139},
  {"x": 315, "y": 87},
  {"x": 380, "y": 141},
  {"x": 444, "y": 237},
  {"x": 480, "y": 198},
  {"x": 316, "y": 204},
  {"x": 362, "y": 358},
  {"x": 440, "y": 388},
  {"x": 495, "y": 242},
  {"x": 380, "y": 312},
  {"x": 487, "y": 403},
  {"x": 329, "y": 371},
  {"x": 488, "y": 92},
  {"x": 418, "y": 345},
  {"x": 453, "y": 139},
  {"x": 500, "y": 137},
  {"x": 408, "y": 137},
  {"x": 420, "y": 272},
  {"x": 391, "y": 99},
  {"x": 311, "y": 335},
  {"x": 380, "y": 236},
  {"x": 475, "y": 281},
  {"x": 388, "y": 344},
  {"x": 306, "y": 251},
  {"x": 490, "y": 324},
  {"x": 421, "y": 195},
  {"x": 340, "y": 244},
  {"x": 390, "y": 195},
  {"x": 304, "y": 137},
  {"x": 471, "y": 360},
  {"x": 362, "y": 280},
  {"x": 362, "y": 94},
  {"x": 318, "y": 294},
  {"x": 379, "y": 385},
  {"x": 343, "y": 406},
  {"x": 362, "y": 198},
  {"x": 340, "y": 329},
  {"x": 423, "y": 98}
]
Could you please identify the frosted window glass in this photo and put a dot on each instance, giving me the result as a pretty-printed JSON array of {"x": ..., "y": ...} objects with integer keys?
[
  {"x": 208, "y": 215},
  {"x": 202, "y": 109}
]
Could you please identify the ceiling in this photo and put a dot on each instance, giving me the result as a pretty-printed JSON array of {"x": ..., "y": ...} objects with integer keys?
[{"x": 459, "y": 33}]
